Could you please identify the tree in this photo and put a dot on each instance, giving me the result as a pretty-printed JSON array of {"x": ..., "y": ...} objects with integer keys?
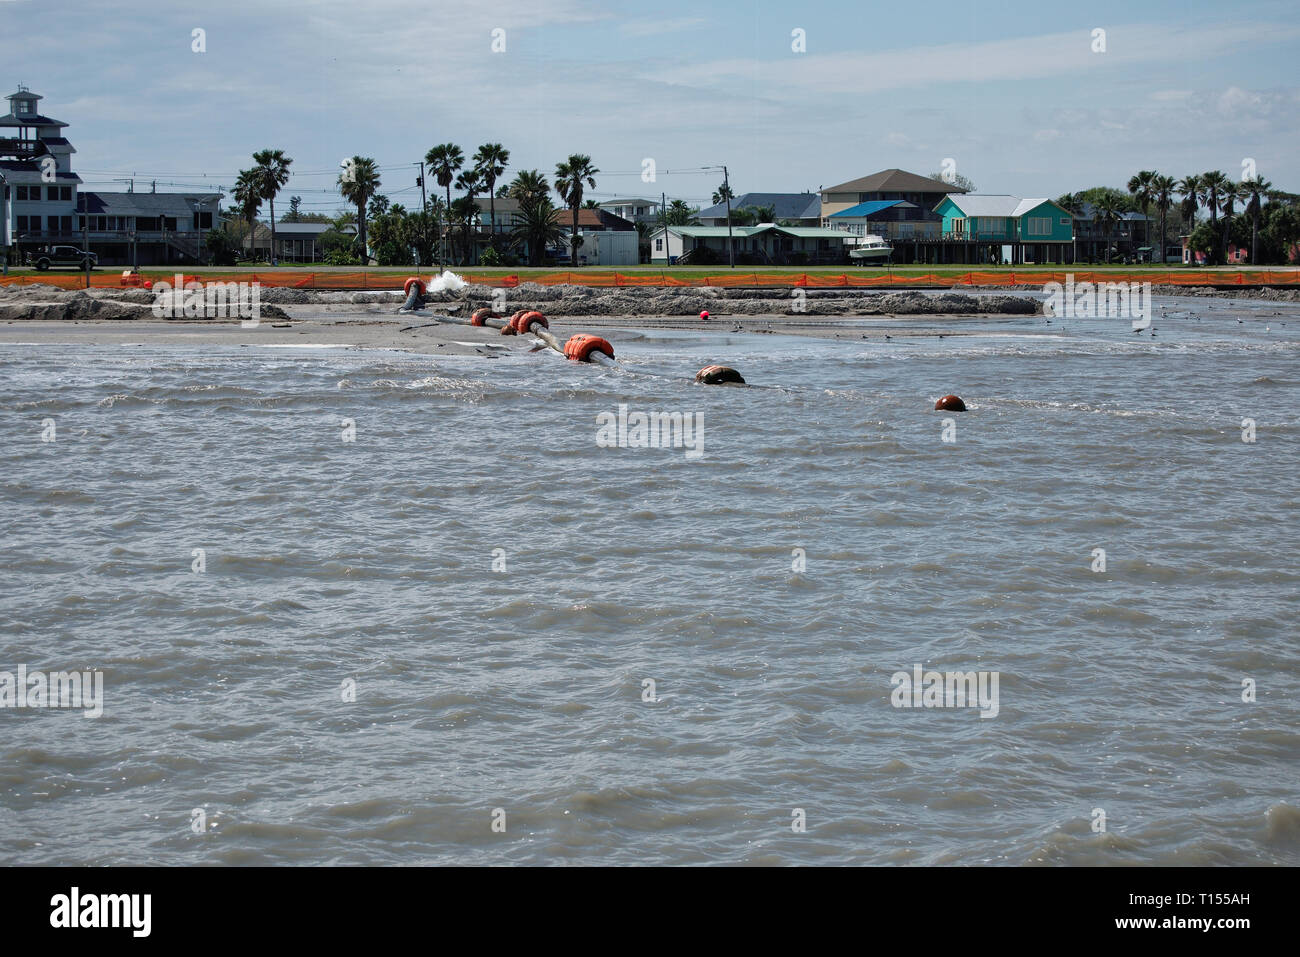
[
  {"x": 1281, "y": 230},
  {"x": 491, "y": 161},
  {"x": 1140, "y": 188},
  {"x": 958, "y": 180},
  {"x": 680, "y": 214},
  {"x": 570, "y": 176},
  {"x": 357, "y": 184},
  {"x": 1189, "y": 187},
  {"x": 1162, "y": 195},
  {"x": 1255, "y": 189},
  {"x": 722, "y": 194},
  {"x": 471, "y": 183},
  {"x": 248, "y": 196},
  {"x": 378, "y": 206},
  {"x": 443, "y": 161},
  {"x": 272, "y": 173},
  {"x": 535, "y": 227},
  {"x": 293, "y": 215},
  {"x": 529, "y": 186},
  {"x": 1232, "y": 193},
  {"x": 1108, "y": 210},
  {"x": 1214, "y": 187}
]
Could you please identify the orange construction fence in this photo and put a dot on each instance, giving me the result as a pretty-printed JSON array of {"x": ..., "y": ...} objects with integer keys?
[{"x": 866, "y": 280}]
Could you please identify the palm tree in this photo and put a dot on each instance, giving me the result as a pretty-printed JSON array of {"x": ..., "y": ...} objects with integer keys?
[
  {"x": 535, "y": 227},
  {"x": 249, "y": 198},
  {"x": 680, "y": 213},
  {"x": 1255, "y": 188},
  {"x": 1214, "y": 186},
  {"x": 1162, "y": 195},
  {"x": 272, "y": 173},
  {"x": 529, "y": 186},
  {"x": 722, "y": 194},
  {"x": 1233, "y": 193},
  {"x": 358, "y": 185},
  {"x": 1139, "y": 187},
  {"x": 569, "y": 179},
  {"x": 443, "y": 161},
  {"x": 1189, "y": 187},
  {"x": 471, "y": 182},
  {"x": 490, "y": 161},
  {"x": 1108, "y": 209}
]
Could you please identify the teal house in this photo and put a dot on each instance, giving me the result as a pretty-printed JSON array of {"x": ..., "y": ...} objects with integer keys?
[{"x": 982, "y": 227}]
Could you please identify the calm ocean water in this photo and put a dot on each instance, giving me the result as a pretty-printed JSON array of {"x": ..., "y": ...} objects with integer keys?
[{"x": 329, "y": 562}]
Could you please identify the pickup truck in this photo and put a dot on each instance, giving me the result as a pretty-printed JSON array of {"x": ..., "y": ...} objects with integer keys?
[{"x": 49, "y": 256}]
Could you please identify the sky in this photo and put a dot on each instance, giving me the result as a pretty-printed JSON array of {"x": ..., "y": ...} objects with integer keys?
[{"x": 1015, "y": 95}]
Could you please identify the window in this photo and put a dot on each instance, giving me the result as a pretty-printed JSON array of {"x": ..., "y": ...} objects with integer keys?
[
  {"x": 1065, "y": 220},
  {"x": 28, "y": 194},
  {"x": 21, "y": 223},
  {"x": 659, "y": 244},
  {"x": 57, "y": 194},
  {"x": 1038, "y": 226}
]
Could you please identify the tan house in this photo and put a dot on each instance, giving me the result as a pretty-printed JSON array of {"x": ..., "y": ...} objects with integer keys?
[{"x": 888, "y": 184}]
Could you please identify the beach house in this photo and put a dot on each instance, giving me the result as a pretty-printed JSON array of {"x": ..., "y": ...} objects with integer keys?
[{"x": 995, "y": 228}]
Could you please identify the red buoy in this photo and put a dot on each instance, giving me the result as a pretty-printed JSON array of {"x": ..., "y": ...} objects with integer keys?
[
  {"x": 579, "y": 348},
  {"x": 950, "y": 403},
  {"x": 704, "y": 315},
  {"x": 524, "y": 322}
]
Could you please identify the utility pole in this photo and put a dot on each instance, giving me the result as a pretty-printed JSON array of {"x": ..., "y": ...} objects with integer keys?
[
  {"x": 424, "y": 209},
  {"x": 85, "y": 245},
  {"x": 731, "y": 248},
  {"x": 664, "y": 207},
  {"x": 4, "y": 222}
]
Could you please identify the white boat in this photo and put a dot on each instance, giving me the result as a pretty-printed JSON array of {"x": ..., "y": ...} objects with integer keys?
[{"x": 871, "y": 249}]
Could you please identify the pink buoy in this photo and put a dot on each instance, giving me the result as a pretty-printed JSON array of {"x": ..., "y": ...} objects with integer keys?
[{"x": 704, "y": 315}]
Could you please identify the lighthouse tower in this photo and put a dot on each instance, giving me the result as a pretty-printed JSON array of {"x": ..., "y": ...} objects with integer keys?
[{"x": 40, "y": 201}]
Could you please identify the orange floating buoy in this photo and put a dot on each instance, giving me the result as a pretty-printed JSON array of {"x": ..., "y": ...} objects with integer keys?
[
  {"x": 414, "y": 281},
  {"x": 524, "y": 322},
  {"x": 950, "y": 403},
  {"x": 508, "y": 330},
  {"x": 579, "y": 348},
  {"x": 480, "y": 317},
  {"x": 704, "y": 315},
  {"x": 718, "y": 375}
]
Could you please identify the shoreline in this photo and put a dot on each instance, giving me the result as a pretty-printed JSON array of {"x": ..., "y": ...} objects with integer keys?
[{"x": 421, "y": 334}]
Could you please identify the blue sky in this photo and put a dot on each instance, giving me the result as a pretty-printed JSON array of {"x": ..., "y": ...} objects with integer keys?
[{"x": 1013, "y": 92}]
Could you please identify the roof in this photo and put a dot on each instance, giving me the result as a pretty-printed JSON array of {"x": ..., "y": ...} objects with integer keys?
[
  {"x": 894, "y": 180},
  {"x": 708, "y": 232},
  {"x": 987, "y": 204},
  {"x": 630, "y": 201},
  {"x": 29, "y": 119},
  {"x": 303, "y": 228},
  {"x": 140, "y": 204},
  {"x": 32, "y": 167},
  {"x": 871, "y": 208},
  {"x": 744, "y": 232},
  {"x": 784, "y": 205},
  {"x": 812, "y": 232},
  {"x": 591, "y": 219}
]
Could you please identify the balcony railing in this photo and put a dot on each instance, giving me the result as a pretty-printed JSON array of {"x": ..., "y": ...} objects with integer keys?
[{"x": 22, "y": 149}]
